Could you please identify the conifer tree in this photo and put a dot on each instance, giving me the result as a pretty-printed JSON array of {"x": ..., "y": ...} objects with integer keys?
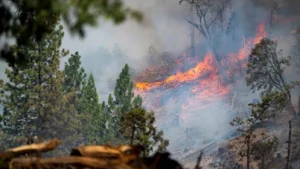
[
  {"x": 74, "y": 80},
  {"x": 74, "y": 74},
  {"x": 90, "y": 112},
  {"x": 137, "y": 127},
  {"x": 124, "y": 91},
  {"x": 108, "y": 133},
  {"x": 123, "y": 101},
  {"x": 33, "y": 96}
]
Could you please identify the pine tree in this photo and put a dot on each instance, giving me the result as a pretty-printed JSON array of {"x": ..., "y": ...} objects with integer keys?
[
  {"x": 108, "y": 133},
  {"x": 74, "y": 74},
  {"x": 90, "y": 112},
  {"x": 122, "y": 102},
  {"x": 33, "y": 97},
  {"x": 137, "y": 127},
  {"x": 74, "y": 80},
  {"x": 124, "y": 91}
]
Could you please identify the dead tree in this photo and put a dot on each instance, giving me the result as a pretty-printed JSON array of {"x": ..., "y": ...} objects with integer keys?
[
  {"x": 210, "y": 15},
  {"x": 192, "y": 32},
  {"x": 197, "y": 166},
  {"x": 298, "y": 104},
  {"x": 289, "y": 147},
  {"x": 273, "y": 9}
]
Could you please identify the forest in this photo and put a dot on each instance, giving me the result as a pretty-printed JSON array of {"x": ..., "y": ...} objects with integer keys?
[{"x": 229, "y": 99}]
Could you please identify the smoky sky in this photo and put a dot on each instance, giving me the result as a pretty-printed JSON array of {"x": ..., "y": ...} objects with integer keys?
[{"x": 163, "y": 27}]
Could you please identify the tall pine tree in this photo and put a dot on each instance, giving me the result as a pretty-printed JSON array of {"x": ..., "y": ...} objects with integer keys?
[
  {"x": 33, "y": 97},
  {"x": 124, "y": 91},
  {"x": 123, "y": 100},
  {"x": 90, "y": 112},
  {"x": 74, "y": 74}
]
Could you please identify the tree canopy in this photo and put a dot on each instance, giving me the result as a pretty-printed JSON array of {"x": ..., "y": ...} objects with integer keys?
[{"x": 27, "y": 20}]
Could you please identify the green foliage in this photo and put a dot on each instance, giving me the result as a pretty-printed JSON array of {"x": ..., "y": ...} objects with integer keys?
[
  {"x": 264, "y": 150},
  {"x": 74, "y": 80},
  {"x": 266, "y": 67},
  {"x": 74, "y": 74},
  {"x": 137, "y": 102},
  {"x": 137, "y": 127},
  {"x": 90, "y": 112},
  {"x": 108, "y": 124},
  {"x": 122, "y": 102},
  {"x": 124, "y": 91},
  {"x": 270, "y": 104},
  {"x": 33, "y": 97},
  {"x": 27, "y": 20}
]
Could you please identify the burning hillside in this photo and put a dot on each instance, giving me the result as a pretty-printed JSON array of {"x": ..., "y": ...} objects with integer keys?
[
  {"x": 180, "y": 97},
  {"x": 201, "y": 79}
]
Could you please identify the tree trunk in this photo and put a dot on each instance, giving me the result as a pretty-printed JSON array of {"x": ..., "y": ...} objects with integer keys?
[
  {"x": 271, "y": 23},
  {"x": 132, "y": 136},
  {"x": 289, "y": 146},
  {"x": 263, "y": 163},
  {"x": 298, "y": 104},
  {"x": 249, "y": 147},
  {"x": 290, "y": 104},
  {"x": 192, "y": 33}
]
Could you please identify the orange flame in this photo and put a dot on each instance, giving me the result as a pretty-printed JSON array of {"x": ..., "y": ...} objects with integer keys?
[
  {"x": 204, "y": 77},
  {"x": 192, "y": 74}
]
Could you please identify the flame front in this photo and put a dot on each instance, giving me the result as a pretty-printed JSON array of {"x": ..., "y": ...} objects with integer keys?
[{"x": 204, "y": 78}]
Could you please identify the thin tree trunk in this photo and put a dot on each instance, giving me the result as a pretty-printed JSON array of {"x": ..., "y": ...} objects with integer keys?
[
  {"x": 291, "y": 107},
  {"x": 248, "y": 148},
  {"x": 298, "y": 104},
  {"x": 132, "y": 136},
  {"x": 289, "y": 146},
  {"x": 271, "y": 23},
  {"x": 192, "y": 33}
]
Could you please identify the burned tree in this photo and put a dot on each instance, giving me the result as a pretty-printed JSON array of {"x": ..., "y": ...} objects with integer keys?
[
  {"x": 265, "y": 70},
  {"x": 296, "y": 51},
  {"x": 210, "y": 15},
  {"x": 289, "y": 147}
]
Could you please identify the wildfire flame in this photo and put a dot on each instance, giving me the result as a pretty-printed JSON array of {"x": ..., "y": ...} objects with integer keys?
[{"x": 204, "y": 77}]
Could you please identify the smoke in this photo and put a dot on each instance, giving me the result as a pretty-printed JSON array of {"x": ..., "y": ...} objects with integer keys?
[{"x": 164, "y": 27}]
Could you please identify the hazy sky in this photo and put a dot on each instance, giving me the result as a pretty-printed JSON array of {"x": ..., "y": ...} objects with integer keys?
[{"x": 163, "y": 26}]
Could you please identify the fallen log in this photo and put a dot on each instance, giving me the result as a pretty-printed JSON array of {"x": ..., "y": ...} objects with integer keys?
[
  {"x": 33, "y": 148},
  {"x": 87, "y": 157},
  {"x": 65, "y": 162},
  {"x": 122, "y": 153},
  {"x": 9, "y": 154}
]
